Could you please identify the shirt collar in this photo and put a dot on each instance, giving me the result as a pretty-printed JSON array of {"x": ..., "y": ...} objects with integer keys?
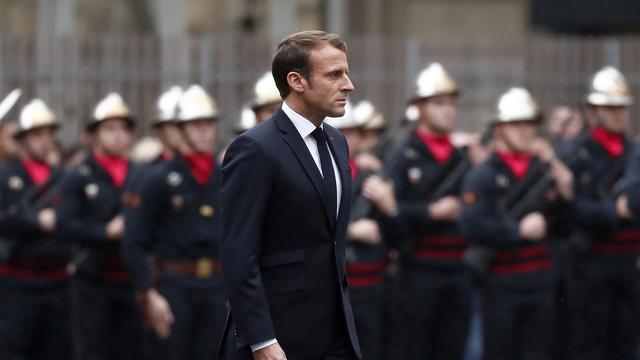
[{"x": 304, "y": 126}]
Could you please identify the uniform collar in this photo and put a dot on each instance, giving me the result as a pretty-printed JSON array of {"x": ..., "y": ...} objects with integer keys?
[
  {"x": 612, "y": 143},
  {"x": 439, "y": 145},
  {"x": 39, "y": 172},
  {"x": 518, "y": 164}
]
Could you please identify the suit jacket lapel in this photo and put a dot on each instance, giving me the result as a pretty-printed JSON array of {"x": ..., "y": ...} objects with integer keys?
[
  {"x": 341, "y": 156},
  {"x": 300, "y": 150}
]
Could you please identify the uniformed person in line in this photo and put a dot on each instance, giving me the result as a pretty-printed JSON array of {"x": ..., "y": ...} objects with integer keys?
[
  {"x": 34, "y": 304},
  {"x": 375, "y": 126},
  {"x": 108, "y": 325},
  {"x": 604, "y": 288},
  {"x": 166, "y": 131},
  {"x": 437, "y": 284},
  {"x": 166, "y": 127},
  {"x": 370, "y": 152},
  {"x": 518, "y": 291},
  {"x": 266, "y": 99},
  {"x": 175, "y": 219},
  {"x": 8, "y": 125}
]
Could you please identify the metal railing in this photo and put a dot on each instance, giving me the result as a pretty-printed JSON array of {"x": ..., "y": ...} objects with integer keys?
[{"x": 73, "y": 73}]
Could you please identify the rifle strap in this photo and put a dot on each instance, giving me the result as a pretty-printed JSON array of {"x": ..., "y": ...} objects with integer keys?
[{"x": 442, "y": 174}]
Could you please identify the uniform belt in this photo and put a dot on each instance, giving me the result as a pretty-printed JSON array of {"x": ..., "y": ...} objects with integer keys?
[
  {"x": 52, "y": 274},
  {"x": 622, "y": 242},
  {"x": 440, "y": 247},
  {"x": 202, "y": 268}
]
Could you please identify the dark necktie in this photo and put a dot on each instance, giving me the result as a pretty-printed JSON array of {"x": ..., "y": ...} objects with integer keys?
[{"x": 327, "y": 168}]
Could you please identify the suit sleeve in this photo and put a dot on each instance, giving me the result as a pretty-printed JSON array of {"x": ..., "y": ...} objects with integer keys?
[
  {"x": 481, "y": 223},
  {"x": 246, "y": 183}
]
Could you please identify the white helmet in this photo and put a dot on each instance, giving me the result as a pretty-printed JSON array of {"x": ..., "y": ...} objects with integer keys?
[
  {"x": 433, "y": 81},
  {"x": 517, "y": 104},
  {"x": 247, "y": 120},
  {"x": 111, "y": 107},
  {"x": 36, "y": 114},
  {"x": 365, "y": 112},
  {"x": 346, "y": 121},
  {"x": 167, "y": 105},
  {"x": 265, "y": 92},
  {"x": 609, "y": 88},
  {"x": 196, "y": 104}
]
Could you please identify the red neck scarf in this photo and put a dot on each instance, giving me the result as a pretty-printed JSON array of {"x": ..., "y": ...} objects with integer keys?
[
  {"x": 611, "y": 142},
  {"x": 116, "y": 166},
  {"x": 201, "y": 166},
  {"x": 37, "y": 170},
  {"x": 439, "y": 145},
  {"x": 354, "y": 168},
  {"x": 517, "y": 163}
]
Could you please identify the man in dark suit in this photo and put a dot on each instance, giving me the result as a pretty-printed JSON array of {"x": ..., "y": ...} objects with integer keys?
[{"x": 285, "y": 208}]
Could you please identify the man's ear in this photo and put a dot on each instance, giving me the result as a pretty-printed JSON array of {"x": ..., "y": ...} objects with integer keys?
[{"x": 296, "y": 81}]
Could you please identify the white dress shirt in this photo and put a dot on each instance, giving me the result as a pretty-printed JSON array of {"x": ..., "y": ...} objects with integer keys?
[{"x": 305, "y": 128}]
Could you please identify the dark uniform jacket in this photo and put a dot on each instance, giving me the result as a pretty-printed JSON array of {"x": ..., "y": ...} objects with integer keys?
[
  {"x": 416, "y": 174},
  {"x": 599, "y": 181},
  {"x": 173, "y": 217},
  {"x": 34, "y": 257},
  {"x": 89, "y": 201},
  {"x": 518, "y": 262}
]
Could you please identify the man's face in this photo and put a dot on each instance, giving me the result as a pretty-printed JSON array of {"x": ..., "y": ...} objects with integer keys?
[
  {"x": 113, "y": 137},
  {"x": 613, "y": 118},
  {"x": 38, "y": 144},
  {"x": 200, "y": 135},
  {"x": 438, "y": 113},
  {"x": 171, "y": 135},
  {"x": 518, "y": 136},
  {"x": 326, "y": 89}
]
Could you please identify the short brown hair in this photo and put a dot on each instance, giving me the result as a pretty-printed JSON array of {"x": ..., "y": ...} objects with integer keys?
[{"x": 293, "y": 55}]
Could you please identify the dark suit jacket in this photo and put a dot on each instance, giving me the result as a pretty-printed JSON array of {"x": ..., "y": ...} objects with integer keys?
[{"x": 282, "y": 250}]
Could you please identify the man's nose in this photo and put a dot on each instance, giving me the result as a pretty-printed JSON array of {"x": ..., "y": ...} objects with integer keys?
[{"x": 348, "y": 85}]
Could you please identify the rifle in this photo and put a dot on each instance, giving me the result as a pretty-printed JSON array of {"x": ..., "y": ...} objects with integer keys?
[
  {"x": 523, "y": 200},
  {"x": 453, "y": 178},
  {"x": 362, "y": 207}
]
